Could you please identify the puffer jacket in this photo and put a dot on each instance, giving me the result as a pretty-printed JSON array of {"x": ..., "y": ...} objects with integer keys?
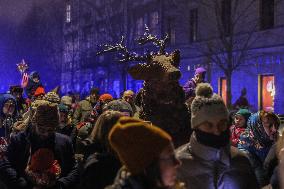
[{"x": 211, "y": 168}]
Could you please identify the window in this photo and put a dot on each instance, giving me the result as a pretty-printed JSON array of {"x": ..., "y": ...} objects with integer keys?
[
  {"x": 154, "y": 22},
  {"x": 193, "y": 22},
  {"x": 222, "y": 88},
  {"x": 68, "y": 13},
  {"x": 171, "y": 31},
  {"x": 266, "y": 14},
  {"x": 266, "y": 92},
  {"x": 226, "y": 17},
  {"x": 139, "y": 26}
]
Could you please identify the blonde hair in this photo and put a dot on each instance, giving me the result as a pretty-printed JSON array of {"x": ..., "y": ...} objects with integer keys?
[{"x": 103, "y": 125}]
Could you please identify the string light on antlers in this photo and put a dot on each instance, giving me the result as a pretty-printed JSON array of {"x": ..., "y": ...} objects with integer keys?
[{"x": 22, "y": 66}]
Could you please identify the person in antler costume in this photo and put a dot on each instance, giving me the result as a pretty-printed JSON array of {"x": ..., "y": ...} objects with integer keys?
[{"x": 162, "y": 98}]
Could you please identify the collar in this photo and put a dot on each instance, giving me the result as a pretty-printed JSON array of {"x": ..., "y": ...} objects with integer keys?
[{"x": 208, "y": 153}]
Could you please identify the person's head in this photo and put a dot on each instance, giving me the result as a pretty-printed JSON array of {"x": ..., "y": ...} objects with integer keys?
[
  {"x": 9, "y": 107},
  {"x": 35, "y": 77},
  {"x": 105, "y": 98},
  {"x": 209, "y": 117},
  {"x": 199, "y": 75},
  {"x": 94, "y": 94},
  {"x": 45, "y": 120},
  {"x": 121, "y": 106},
  {"x": 63, "y": 113},
  {"x": 241, "y": 117},
  {"x": 16, "y": 91},
  {"x": 145, "y": 150},
  {"x": 52, "y": 97},
  {"x": 129, "y": 96},
  {"x": 270, "y": 123},
  {"x": 67, "y": 101},
  {"x": 103, "y": 125}
]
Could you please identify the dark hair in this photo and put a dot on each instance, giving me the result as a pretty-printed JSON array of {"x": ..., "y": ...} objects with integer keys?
[
  {"x": 94, "y": 91},
  {"x": 271, "y": 116}
]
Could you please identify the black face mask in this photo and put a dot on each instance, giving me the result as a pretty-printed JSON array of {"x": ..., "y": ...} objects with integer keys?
[{"x": 212, "y": 140}]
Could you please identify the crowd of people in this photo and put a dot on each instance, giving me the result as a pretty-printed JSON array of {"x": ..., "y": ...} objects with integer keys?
[{"x": 48, "y": 141}]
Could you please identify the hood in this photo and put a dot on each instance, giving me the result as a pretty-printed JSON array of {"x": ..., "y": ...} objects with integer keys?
[{"x": 4, "y": 98}]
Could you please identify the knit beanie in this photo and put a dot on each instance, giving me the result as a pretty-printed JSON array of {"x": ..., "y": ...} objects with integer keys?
[
  {"x": 207, "y": 106},
  {"x": 63, "y": 108},
  {"x": 121, "y": 106},
  {"x": 52, "y": 97},
  {"x": 137, "y": 143},
  {"x": 46, "y": 115},
  {"x": 105, "y": 97},
  {"x": 245, "y": 113},
  {"x": 67, "y": 100}
]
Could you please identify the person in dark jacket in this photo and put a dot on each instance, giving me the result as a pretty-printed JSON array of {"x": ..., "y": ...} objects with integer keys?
[
  {"x": 32, "y": 84},
  {"x": 147, "y": 155},
  {"x": 17, "y": 92},
  {"x": 102, "y": 163},
  {"x": 257, "y": 140},
  {"x": 8, "y": 114},
  {"x": 39, "y": 136},
  {"x": 190, "y": 85},
  {"x": 208, "y": 160}
]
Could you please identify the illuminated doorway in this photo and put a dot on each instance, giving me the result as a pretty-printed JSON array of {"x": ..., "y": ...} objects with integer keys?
[
  {"x": 266, "y": 92},
  {"x": 222, "y": 88}
]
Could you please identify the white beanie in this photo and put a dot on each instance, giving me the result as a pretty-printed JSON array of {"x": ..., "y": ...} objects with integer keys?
[{"x": 207, "y": 106}]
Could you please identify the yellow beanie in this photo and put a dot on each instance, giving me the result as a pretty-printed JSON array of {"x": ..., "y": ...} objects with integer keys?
[{"x": 137, "y": 143}]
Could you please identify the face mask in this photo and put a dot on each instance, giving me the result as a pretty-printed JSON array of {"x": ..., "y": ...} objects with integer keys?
[{"x": 212, "y": 140}]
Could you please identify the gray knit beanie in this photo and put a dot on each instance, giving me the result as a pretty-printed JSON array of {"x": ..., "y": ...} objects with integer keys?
[{"x": 207, "y": 106}]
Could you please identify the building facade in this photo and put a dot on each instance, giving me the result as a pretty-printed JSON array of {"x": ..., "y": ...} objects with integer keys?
[{"x": 205, "y": 31}]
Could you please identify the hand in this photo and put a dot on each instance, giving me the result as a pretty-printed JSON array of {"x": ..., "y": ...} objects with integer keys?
[{"x": 25, "y": 80}]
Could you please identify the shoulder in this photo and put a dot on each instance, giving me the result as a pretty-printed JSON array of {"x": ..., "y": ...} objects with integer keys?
[
  {"x": 62, "y": 139},
  {"x": 239, "y": 156}
]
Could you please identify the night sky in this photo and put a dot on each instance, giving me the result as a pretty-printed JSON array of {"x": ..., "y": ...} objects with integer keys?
[{"x": 16, "y": 38}]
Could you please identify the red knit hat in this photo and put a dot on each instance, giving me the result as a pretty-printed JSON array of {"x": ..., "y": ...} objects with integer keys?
[
  {"x": 39, "y": 91},
  {"x": 105, "y": 97}
]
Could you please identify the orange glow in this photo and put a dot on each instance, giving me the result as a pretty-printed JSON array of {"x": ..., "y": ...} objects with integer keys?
[{"x": 268, "y": 92}]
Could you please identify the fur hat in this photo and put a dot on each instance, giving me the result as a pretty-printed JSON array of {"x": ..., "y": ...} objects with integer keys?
[
  {"x": 121, "y": 106},
  {"x": 46, "y": 115},
  {"x": 207, "y": 106},
  {"x": 66, "y": 100},
  {"x": 137, "y": 143},
  {"x": 52, "y": 97}
]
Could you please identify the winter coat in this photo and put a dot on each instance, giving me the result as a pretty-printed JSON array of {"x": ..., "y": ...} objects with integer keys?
[
  {"x": 189, "y": 88},
  {"x": 12, "y": 169},
  {"x": 6, "y": 123},
  {"x": 99, "y": 171},
  {"x": 256, "y": 144},
  {"x": 82, "y": 111},
  {"x": 211, "y": 168},
  {"x": 124, "y": 180},
  {"x": 235, "y": 134}
]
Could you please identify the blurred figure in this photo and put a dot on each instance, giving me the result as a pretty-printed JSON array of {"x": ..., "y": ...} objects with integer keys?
[
  {"x": 121, "y": 106},
  {"x": 25, "y": 152},
  {"x": 102, "y": 103},
  {"x": 129, "y": 96},
  {"x": 86, "y": 106},
  {"x": 101, "y": 162},
  {"x": 208, "y": 160},
  {"x": 17, "y": 92},
  {"x": 8, "y": 114},
  {"x": 256, "y": 141},
  {"x": 38, "y": 94},
  {"x": 143, "y": 167},
  {"x": 32, "y": 84},
  {"x": 65, "y": 126},
  {"x": 240, "y": 124},
  {"x": 190, "y": 85},
  {"x": 242, "y": 101}
]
